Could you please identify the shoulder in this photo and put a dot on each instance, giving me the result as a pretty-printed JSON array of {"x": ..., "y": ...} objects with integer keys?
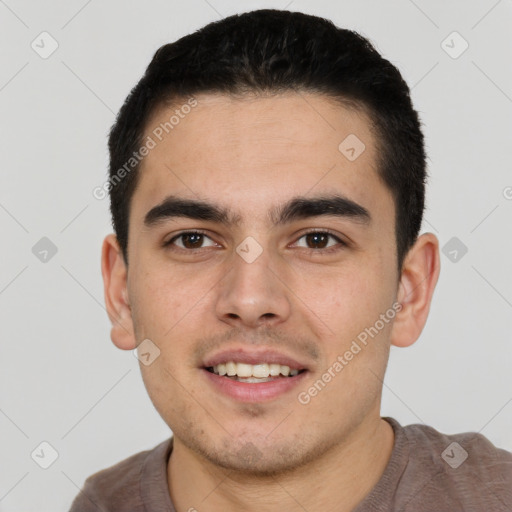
[
  {"x": 465, "y": 450},
  {"x": 465, "y": 466},
  {"x": 118, "y": 487}
]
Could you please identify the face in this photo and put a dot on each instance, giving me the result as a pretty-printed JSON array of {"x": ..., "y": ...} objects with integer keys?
[{"x": 264, "y": 284}]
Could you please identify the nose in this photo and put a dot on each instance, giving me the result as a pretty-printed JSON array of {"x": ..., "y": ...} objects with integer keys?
[{"x": 254, "y": 293}]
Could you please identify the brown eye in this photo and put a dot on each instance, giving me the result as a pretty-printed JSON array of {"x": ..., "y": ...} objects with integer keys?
[
  {"x": 190, "y": 240},
  {"x": 318, "y": 240}
]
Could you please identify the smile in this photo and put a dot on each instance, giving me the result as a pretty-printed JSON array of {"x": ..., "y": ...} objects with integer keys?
[
  {"x": 253, "y": 383},
  {"x": 253, "y": 373}
]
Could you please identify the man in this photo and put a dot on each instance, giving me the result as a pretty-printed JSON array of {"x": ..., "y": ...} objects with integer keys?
[{"x": 267, "y": 189}]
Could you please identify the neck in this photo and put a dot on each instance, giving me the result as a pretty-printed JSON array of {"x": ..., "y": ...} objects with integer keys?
[{"x": 338, "y": 480}]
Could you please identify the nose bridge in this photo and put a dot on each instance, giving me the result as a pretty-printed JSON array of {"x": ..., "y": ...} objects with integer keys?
[{"x": 253, "y": 291}]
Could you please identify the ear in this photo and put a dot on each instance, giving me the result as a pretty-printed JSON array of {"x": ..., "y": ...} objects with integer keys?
[
  {"x": 114, "y": 271},
  {"x": 418, "y": 279}
]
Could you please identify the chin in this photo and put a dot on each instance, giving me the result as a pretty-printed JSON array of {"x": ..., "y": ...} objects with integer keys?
[
  {"x": 250, "y": 461},
  {"x": 259, "y": 457}
]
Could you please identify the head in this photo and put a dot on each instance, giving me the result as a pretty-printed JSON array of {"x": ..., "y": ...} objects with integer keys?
[{"x": 255, "y": 131}]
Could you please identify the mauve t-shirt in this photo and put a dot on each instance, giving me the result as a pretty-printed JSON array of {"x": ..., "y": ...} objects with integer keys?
[{"x": 428, "y": 472}]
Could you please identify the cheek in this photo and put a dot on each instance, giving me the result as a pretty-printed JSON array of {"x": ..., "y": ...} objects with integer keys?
[
  {"x": 161, "y": 301},
  {"x": 164, "y": 386},
  {"x": 345, "y": 300}
]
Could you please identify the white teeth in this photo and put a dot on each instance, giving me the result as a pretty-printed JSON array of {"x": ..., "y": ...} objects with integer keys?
[
  {"x": 243, "y": 370},
  {"x": 275, "y": 370},
  {"x": 260, "y": 370},
  {"x": 230, "y": 369},
  {"x": 247, "y": 372}
]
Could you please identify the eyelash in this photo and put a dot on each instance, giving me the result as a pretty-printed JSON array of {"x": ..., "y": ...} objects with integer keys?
[{"x": 341, "y": 243}]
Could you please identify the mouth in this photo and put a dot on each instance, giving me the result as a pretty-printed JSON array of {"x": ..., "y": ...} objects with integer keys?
[
  {"x": 253, "y": 377},
  {"x": 254, "y": 373}
]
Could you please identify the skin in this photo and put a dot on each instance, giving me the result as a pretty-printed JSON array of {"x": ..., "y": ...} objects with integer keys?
[{"x": 250, "y": 154}]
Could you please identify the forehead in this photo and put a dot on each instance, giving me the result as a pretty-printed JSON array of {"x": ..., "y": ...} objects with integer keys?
[{"x": 251, "y": 153}]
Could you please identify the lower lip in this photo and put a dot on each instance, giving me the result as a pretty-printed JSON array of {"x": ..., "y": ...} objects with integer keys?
[{"x": 254, "y": 392}]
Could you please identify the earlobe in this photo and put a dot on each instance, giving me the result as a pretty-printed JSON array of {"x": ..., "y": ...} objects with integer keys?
[
  {"x": 418, "y": 279},
  {"x": 114, "y": 272}
]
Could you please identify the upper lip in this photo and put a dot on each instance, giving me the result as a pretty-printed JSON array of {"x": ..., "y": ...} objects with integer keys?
[{"x": 241, "y": 355}]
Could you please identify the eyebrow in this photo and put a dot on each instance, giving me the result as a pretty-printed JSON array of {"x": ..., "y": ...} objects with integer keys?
[{"x": 296, "y": 208}]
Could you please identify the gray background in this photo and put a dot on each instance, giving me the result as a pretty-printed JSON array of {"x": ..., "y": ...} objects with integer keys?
[{"x": 62, "y": 380}]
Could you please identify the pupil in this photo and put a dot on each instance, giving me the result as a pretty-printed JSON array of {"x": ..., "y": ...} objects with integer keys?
[
  {"x": 314, "y": 237},
  {"x": 189, "y": 239}
]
